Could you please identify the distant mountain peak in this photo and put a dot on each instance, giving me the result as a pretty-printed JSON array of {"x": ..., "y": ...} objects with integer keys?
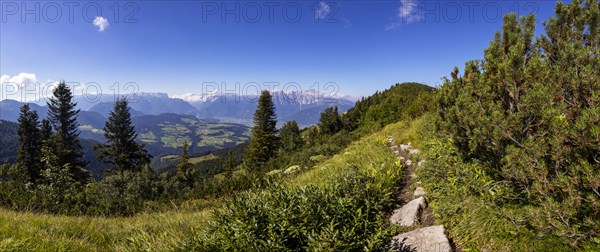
[{"x": 152, "y": 94}]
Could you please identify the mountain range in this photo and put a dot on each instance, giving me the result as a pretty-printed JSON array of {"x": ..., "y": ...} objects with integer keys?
[
  {"x": 304, "y": 107},
  {"x": 206, "y": 122}
]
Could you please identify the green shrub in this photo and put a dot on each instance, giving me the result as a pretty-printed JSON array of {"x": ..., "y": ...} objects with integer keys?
[
  {"x": 347, "y": 215},
  {"x": 527, "y": 117}
]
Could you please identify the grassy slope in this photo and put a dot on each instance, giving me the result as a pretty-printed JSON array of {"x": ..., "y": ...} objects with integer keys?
[
  {"x": 165, "y": 231},
  {"x": 38, "y": 232},
  {"x": 364, "y": 153}
]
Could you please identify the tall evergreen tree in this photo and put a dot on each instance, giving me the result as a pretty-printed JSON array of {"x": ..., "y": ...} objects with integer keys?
[
  {"x": 45, "y": 132},
  {"x": 290, "y": 137},
  {"x": 29, "y": 152},
  {"x": 263, "y": 142},
  {"x": 184, "y": 160},
  {"x": 330, "y": 121},
  {"x": 121, "y": 150},
  {"x": 229, "y": 164},
  {"x": 65, "y": 142}
]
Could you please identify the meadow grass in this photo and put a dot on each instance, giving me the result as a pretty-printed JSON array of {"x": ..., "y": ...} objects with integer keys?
[
  {"x": 21, "y": 231},
  {"x": 366, "y": 153}
]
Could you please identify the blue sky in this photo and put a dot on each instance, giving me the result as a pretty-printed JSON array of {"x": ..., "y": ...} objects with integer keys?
[{"x": 175, "y": 46}]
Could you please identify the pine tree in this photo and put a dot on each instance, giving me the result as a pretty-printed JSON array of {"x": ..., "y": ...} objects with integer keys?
[
  {"x": 184, "y": 161},
  {"x": 65, "y": 142},
  {"x": 29, "y": 152},
  {"x": 330, "y": 121},
  {"x": 290, "y": 137},
  {"x": 530, "y": 112},
  {"x": 229, "y": 164},
  {"x": 121, "y": 150},
  {"x": 45, "y": 132},
  {"x": 263, "y": 142}
]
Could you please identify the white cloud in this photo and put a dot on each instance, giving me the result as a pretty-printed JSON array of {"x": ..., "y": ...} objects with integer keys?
[
  {"x": 408, "y": 12},
  {"x": 322, "y": 10},
  {"x": 21, "y": 87},
  {"x": 21, "y": 80},
  {"x": 4, "y": 78},
  {"x": 101, "y": 23}
]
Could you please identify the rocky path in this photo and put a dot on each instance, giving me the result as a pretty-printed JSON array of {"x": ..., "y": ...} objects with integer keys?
[{"x": 414, "y": 212}]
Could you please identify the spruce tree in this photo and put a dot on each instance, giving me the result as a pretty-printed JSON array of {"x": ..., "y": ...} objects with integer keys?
[
  {"x": 121, "y": 150},
  {"x": 29, "y": 152},
  {"x": 65, "y": 142},
  {"x": 263, "y": 142},
  {"x": 330, "y": 121},
  {"x": 184, "y": 164},
  {"x": 290, "y": 137},
  {"x": 229, "y": 164},
  {"x": 45, "y": 132}
]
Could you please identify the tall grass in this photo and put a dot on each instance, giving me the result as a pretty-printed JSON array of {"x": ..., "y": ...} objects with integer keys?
[{"x": 144, "y": 232}]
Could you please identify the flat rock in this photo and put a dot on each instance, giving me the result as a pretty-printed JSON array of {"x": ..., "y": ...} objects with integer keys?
[
  {"x": 408, "y": 214},
  {"x": 419, "y": 191},
  {"x": 427, "y": 239}
]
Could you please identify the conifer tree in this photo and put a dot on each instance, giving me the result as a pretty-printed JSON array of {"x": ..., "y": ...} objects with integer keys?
[
  {"x": 530, "y": 112},
  {"x": 229, "y": 164},
  {"x": 29, "y": 152},
  {"x": 184, "y": 161},
  {"x": 45, "y": 131},
  {"x": 65, "y": 142},
  {"x": 263, "y": 142},
  {"x": 290, "y": 137},
  {"x": 121, "y": 150},
  {"x": 330, "y": 121}
]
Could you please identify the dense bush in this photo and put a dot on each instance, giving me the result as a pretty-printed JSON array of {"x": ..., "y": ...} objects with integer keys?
[
  {"x": 527, "y": 118},
  {"x": 346, "y": 214}
]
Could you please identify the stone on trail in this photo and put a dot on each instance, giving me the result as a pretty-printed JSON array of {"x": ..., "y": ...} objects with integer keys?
[
  {"x": 405, "y": 147},
  {"x": 424, "y": 239},
  {"x": 409, "y": 213},
  {"x": 419, "y": 191}
]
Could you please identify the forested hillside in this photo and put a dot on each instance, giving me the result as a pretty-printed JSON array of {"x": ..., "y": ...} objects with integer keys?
[{"x": 8, "y": 140}]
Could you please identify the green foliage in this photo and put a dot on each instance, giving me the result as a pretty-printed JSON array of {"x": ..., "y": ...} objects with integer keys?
[
  {"x": 289, "y": 136},
  {"x": 9, "y": 140},
  {"x": 330, "y": 122},
  {"x": 526, "y": 117},
  {"x": 264, "y": 142},
  {"x": 121, "y": 149},
  {"x": 29, "y": 150},
  {"x": 65, "y": 142},
  {"x": 122, "y": 194},
  {"x": 45, "y": 131},
  {"x": 59, "y": 192},
  {"x": 339, "y": 205},
  {"x": 401, "y": 101},
  {"x": 229, "y": 164},
  {"x": 184, "y": 164}
]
